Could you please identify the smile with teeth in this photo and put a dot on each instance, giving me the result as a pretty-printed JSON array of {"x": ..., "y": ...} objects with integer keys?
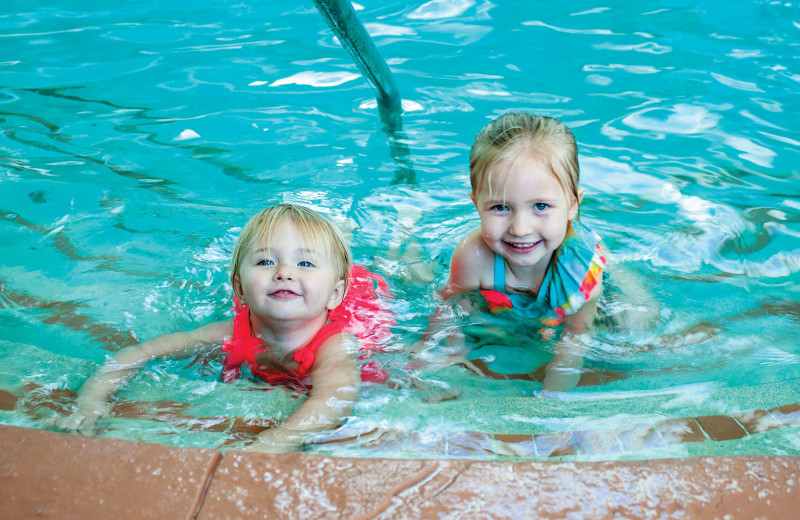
[
  {"x": 284, "y": 293},
  {"x": 522, "y": 247}
]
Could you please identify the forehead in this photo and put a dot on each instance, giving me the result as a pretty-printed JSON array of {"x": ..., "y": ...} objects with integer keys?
[
  {"x": 285, "y": 234},
  {"x": 520, "y": 177}
]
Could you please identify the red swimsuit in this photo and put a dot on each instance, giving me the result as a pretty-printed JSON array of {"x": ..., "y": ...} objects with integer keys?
[{"x": 361, "y": 313}]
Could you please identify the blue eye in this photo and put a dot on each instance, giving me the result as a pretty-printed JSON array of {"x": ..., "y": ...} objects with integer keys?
[
  {"x": 305, "y": 263},
  {"x": 265, "y": 261},
  {"x": 499, "y": 207},
  {"x": 540, "y": 206}
]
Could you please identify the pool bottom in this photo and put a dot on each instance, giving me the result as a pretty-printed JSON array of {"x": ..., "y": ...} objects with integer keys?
[{"x": 56, "y": 475}]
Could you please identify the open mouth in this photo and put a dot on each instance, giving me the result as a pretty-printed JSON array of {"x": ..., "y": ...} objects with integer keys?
[
  {"x": 522, "y": 247},
  {"x": 283, "y": 293}
]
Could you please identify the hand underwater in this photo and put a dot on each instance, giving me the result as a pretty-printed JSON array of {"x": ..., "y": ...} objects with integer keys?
[
  {"x": 84, "y": 419},
  {"x": 276, "y": 440}
]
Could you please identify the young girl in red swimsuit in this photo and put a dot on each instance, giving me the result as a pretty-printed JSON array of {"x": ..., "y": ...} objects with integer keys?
[{"x": 303, "y": 316}]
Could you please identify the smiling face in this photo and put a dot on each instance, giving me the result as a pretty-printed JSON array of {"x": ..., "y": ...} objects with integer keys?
[
  {"x": 288, "y": 278},
  {"x": 524, "y": 211}
]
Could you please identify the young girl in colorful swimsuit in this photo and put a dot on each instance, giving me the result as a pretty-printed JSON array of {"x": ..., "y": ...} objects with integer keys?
[
  {"x": 531, "y": 255},
  {"x": 303, "y": 313}
]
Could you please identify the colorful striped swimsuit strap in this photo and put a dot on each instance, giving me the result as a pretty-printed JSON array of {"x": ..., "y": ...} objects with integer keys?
[{"x": 499, "y": 273}]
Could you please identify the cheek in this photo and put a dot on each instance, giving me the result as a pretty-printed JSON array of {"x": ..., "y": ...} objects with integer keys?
[
  {"x": 489, "y": 232},
  {"x": 558, "y": 226},
  {"x": 250, "y": 282},
  {"x": 490, "y": 223}
]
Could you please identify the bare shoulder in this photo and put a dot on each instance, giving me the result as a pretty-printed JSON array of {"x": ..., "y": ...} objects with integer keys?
[
  {"x": 335, "y": 366},
  {"x": 471, "y": 266},
  {"x": 339, "y": 347}
]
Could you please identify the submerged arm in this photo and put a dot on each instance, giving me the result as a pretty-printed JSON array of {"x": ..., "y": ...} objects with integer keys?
[
  {"x": 92, "y": 402},
  {"x": 563, "y": 372},
  {"x": 335, "y": 380},
  {"x": 470, "y": 260}
]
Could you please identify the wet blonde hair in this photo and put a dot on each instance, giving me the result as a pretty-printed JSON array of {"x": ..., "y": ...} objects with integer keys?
[
  {"x": 520, "y": 135},
  {"x": 315, "y": 229}
]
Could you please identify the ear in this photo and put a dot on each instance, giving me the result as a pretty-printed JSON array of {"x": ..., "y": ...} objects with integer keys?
[
  {"x": 573, "y": 208},
  {"x": 237, "y": 289},
  {"x": 339, "y": 291},
  {"x": 474, "y": 198}
]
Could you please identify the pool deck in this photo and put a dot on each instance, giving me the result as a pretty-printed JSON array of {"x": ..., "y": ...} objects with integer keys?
[{"x": 56, "y": 475}]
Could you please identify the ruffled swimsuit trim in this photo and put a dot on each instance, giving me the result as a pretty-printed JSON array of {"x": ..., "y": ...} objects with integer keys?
[
  {"x": 567, "y": 284},
  {"x": 361, "y": 313}
]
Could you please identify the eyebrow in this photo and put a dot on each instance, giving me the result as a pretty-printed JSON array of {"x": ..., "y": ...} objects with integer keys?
[
  {"x": 304, "y": 250},
  {"x": 536, "y": 200}
]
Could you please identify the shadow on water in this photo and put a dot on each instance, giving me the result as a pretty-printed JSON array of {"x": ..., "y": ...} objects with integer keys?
[{"x": 207, "y": 154}]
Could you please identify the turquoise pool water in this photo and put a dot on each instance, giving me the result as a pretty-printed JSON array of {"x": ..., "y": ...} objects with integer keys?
[{"x": 137, "y": 138}]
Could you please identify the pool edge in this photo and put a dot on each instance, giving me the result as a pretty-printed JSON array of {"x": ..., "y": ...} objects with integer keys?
[{"x": 55, "y": 475}]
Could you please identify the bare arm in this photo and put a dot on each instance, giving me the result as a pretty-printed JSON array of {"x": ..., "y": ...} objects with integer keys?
[
  {"x": 335, "y": 380},
  {"x": 471, "y": 266},
  {"x": 92, "y": 401},
  {"x": 563, "y": 372},
  {"x": 470, "y": 262}
]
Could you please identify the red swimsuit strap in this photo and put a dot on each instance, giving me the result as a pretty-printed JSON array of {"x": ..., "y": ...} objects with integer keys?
[
  {"x": 242, "y": 347},
  {"x": 361, "y": 313},
  {"x": 308, "y": 354}
]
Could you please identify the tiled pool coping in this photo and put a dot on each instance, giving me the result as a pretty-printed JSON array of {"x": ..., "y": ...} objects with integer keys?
[{"x": 54, "y": 475}]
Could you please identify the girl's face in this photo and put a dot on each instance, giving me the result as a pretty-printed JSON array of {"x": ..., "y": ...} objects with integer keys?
[
  {"x": 289, "y": 281},
  {"x": 524, "y": 212}
]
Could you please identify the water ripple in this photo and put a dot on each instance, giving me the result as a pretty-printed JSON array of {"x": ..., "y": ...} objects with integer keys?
[
  {"x": 314, "y": 79},
  {"x": 538, "y": 23},
  {"x": 737, "y": 84},
  {"x": 438, "y": 9}
]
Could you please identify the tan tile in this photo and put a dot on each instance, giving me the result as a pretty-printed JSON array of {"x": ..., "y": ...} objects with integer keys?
[
  {"x": 58, "y": 475},
  {"x": 597, "y": 442},
  {"x": 590, "y": 377},
  {"x": 513, "y": 437},
  {"x": 429, "y": 443},
  {"x": 7, "y": 400},
  {"x": 757, "y": 421},
  {"x": 344, "y": 437},
  {"x": 298, "y": 485},
  {"x": 44, "y": 476},
  {"x": 675, "y": 431},
  {"x": 307, "y": 486},
  {"x": 515, "y": 444},
  {"x": 640, "y": 437},
  {"x": 521, "y": 377},
  {"x": 721, "y": 427},
  {"x": 555, "y": 444},
  {"x": 787, "y": 414},
  {"x": 609, "y": 376},
  {"x": 465, "y": 444},
  {"x": 482, "y": 367},
  {"x": 383, "y": 440}
]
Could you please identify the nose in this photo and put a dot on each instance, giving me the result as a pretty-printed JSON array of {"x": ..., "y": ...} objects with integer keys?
[
  {"x": 283, "y": 272},
  {"x": 521, "y": 225}
]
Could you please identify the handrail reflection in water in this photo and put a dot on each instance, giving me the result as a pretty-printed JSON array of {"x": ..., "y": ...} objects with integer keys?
[{"x": 344, "y": 23}]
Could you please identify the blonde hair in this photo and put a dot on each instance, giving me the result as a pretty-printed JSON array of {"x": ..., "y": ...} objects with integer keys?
[
  {"x": 519, "y": 135},
  {"x": 312, "y": 227}
]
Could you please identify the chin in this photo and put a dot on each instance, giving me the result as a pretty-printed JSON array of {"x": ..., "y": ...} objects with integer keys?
[
  {"x": 527, "y": 259},
  {"x": 525, "y": 262}
]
